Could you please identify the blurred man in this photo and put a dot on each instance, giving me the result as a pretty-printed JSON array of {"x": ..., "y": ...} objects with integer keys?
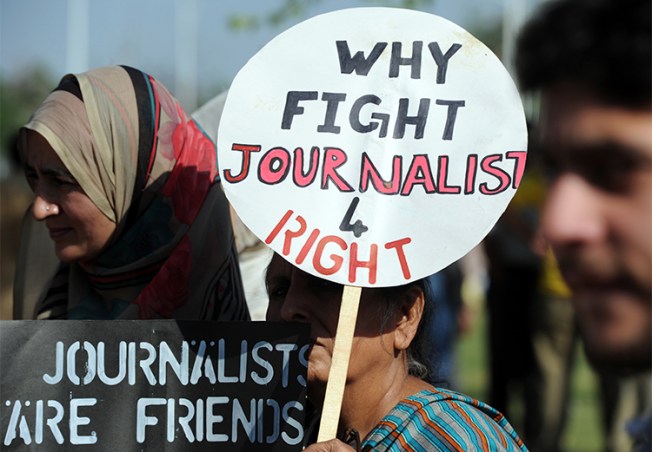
[{"x": 591, "y": 59}]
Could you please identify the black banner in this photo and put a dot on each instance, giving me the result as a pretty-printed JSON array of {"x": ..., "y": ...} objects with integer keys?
[{"x": 152, "y": 385}]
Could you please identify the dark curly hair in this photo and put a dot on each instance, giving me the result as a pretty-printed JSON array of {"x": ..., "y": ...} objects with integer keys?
[{"x": 602, "y": 45}]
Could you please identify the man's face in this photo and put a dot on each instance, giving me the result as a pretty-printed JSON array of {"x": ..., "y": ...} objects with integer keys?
[{"x": 598, "y": 218}]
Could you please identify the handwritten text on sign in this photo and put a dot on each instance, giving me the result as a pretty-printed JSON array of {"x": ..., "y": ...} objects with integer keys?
[
  {"x": 368, "y": 154},
  {"x": 238, "y": 385}
]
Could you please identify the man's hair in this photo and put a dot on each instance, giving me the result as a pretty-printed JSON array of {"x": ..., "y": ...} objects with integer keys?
[{"x": 601, "y": 45}]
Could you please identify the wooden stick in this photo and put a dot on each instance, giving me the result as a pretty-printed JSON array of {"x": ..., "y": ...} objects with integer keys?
[{"x": 330, "y": 415}]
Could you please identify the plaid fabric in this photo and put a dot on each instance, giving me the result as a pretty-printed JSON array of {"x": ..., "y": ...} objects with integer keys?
[{"x": 441, "y": 420}]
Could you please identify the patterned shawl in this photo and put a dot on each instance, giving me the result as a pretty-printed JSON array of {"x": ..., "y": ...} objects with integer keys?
[{"x": 149, "y": 167}]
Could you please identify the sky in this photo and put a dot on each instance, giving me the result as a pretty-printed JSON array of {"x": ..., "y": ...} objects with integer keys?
[{"x": 158, "y": 36}]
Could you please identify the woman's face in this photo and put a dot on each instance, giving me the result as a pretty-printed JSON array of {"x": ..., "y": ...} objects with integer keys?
[
  {"x": 296, "y": 296},
  {"x": 79, "y": 230}
]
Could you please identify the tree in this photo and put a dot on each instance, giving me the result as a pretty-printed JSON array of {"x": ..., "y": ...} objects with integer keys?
[
  {"x": 294, "y": 8},
  {"x": 19, "y": 97}
]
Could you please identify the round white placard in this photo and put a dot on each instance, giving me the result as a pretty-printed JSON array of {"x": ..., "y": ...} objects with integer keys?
[{"x": 372, "y": 146}]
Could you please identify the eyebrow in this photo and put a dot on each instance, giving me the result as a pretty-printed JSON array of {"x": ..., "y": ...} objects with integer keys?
[
  {"x": 602, "y": 149},
  {"x": 54, "y": 172},
  {"x": 275, "y": 278}
]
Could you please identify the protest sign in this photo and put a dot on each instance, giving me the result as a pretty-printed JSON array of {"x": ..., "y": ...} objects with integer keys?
[
  {"x": 156, "y": 385},
  {"x": 372, "y": 146}
]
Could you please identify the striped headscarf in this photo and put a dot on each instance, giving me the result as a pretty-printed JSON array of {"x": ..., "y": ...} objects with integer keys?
[{"x": 149, "y": 168}]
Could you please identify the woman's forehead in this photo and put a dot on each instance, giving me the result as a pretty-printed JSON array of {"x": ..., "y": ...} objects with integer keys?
[
  {"x": 36, "y": 151},
  {"x": 278, "y": 265}
]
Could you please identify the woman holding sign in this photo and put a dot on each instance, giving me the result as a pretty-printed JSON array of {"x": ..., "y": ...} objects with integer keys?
[
  {"x": 387, "y": 404},
  {"x": 125, "y": 184}
]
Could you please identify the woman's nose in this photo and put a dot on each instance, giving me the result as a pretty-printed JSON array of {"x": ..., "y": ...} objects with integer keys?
[
  {"x": 42, "y": 208},
  {"x": 293, "y": 308}
]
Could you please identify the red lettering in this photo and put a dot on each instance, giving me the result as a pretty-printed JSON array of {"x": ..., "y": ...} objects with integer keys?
[
  {"x": 269, "y": 172},
  {"x": 371, "y": 264},
  {"x": 306, "y": 247},
  {"x": 398, "y": 246},
  {"x": 272, "y": 235},
  {"x": 519, "y": 168},
  {"x": 498, "y": 173},
  {"x": 246, "y": 149},
  {"x": 319, "y": 251},
  {"x": 333, "y": 159},
  {"x": 419, "y": 173},
  {"x": 300, "y": 179},
  {"x": 471, "y": 168},
  {"x": 331, "y": 251},
  {"x": 290, "y": 235},
  {"x": 369, "y": 171},
  {"x": 442, "y": 176}
]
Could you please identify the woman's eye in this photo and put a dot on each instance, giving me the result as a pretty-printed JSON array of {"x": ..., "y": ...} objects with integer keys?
[
  {"x": 277, "y": 291},
  {"x": 65, "y": 181},
  {"x": 31, "y": 178}
]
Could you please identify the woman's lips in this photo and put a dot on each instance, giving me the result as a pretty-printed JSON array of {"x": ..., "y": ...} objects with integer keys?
[{"x": 56, "y": 233}]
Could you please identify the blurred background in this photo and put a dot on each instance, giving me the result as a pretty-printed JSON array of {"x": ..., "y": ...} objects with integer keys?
[{"x": 195, "y": 48}]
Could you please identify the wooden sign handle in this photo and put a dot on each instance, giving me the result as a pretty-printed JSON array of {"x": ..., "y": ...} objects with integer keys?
[{"x": 330, "y": 415}]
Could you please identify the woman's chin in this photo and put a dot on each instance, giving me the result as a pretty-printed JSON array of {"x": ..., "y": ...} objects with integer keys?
[
  {"x": 66, "y": 255},
  {"x": 316, "y": 387},
  {"x": 73, "y": 254}
]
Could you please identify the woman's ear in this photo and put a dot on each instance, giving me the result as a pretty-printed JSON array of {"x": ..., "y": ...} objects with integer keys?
[{"x": 411, "y": 311}]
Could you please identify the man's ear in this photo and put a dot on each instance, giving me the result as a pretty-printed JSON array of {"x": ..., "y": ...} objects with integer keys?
[{"x": 411, "y": 311}]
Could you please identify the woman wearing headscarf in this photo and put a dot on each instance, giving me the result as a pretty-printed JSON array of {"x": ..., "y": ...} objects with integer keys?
[{"x": 126, "y": 185}]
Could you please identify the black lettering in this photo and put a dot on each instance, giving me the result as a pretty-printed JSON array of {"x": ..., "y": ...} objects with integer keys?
[
  {"x": 292, "y": 106},
  {"x": 414, "y": 62},
  {"x": 403, "y": 119},
  {"x": 333, "y": 100},
  {"x": 441, "y": 59},
  {"x": 354, "y": 115},
  {"x": 358, "y": 228},
  {"x": 451, "y": 116},
  {"x": 358, "y": 62}
]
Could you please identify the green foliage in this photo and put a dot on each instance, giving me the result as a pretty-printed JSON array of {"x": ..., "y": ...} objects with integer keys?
[
  {"x": 491, "y": 35},
  {"x": 287, "y": 10},
  {"x": 19, "y": 97},
  {"x": 296, "y": 8}
]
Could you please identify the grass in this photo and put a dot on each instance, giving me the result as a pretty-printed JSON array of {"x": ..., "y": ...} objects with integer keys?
[{"x": 583, "y": 432}]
